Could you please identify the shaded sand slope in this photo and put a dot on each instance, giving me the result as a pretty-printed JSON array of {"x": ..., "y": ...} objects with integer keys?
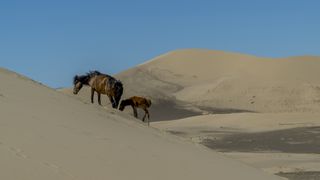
[
  {"x": 286, "y": 144},
  {"x": 47, "y": 135},
  {"x": 221, "y": 82}
]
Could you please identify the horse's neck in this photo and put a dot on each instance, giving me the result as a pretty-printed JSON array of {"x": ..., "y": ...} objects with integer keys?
[{"x": 91, "y": 82}]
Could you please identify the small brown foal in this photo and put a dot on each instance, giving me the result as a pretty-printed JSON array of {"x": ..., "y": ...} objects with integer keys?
[{"x": 137, "y": 102}]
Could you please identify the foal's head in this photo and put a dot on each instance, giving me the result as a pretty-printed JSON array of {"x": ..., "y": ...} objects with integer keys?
[
  {"x": 122, "y": 106},
  {"x": 125, "y": 103}
]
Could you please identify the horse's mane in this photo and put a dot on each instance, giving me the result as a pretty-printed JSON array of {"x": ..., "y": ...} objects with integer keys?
[
  {"x": 85, "y": 78},
  {"x": 94, "y": 73},
  {"x": 75, "y": 79}
]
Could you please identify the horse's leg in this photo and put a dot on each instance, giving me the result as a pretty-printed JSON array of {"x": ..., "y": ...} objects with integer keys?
[
  {"x": 112, "y": 101},
  {"x": 99, "y": 99},
  {"x": 92, "y": 94}
]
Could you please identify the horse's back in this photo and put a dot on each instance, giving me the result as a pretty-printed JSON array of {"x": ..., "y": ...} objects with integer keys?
[
  {"x": 99, "y": 84},
  {"x": 104, "y": 83}
]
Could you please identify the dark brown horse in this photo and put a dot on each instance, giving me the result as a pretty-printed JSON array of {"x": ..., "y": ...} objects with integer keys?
[
  {"x": 137, "y": 102},
  {"x": 100, "y": 83}
]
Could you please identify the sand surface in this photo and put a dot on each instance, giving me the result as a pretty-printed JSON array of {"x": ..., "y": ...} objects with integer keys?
[{"x": 45, "y": 134}]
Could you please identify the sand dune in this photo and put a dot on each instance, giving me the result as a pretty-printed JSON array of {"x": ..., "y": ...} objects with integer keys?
[
  {"x": 230, "y": 81},
  {"x": 45, "y": 134}
]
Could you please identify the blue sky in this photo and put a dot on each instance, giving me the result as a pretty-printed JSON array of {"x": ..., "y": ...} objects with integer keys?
[{"x": 50, "y": 41}]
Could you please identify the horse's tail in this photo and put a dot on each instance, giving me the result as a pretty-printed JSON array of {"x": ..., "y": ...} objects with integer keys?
[{"x": 148, "y": 102}]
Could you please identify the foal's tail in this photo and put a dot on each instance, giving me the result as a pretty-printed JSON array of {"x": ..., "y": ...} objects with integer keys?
[{"x": 148, "y": 102}]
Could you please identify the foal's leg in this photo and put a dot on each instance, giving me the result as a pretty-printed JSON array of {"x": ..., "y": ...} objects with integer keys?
[
  {"x": 146, "y": 112},
  {"x": 92, "y": 94},
  {"x": 99, "y": 99},
  {"x": 135, "y": 113}
]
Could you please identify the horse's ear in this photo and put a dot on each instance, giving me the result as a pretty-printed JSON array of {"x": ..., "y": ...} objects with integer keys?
[{"x": 75, "y": 79}]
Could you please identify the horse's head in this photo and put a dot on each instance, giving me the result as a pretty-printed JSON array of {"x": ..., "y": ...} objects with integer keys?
[
  {"x": 77, "y": 84},
  {"x": 118, "y": 88}
]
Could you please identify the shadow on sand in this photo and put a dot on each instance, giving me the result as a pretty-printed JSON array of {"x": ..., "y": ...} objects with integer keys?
[
  {"x": 296, "y": 140},
  {"x": 303, "y": 175},
  {"x": 212, "y": 110},
  {"x": 171, "y": 110}
]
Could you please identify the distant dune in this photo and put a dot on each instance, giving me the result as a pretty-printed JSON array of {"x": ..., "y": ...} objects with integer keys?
[
  {"x": 219, "y": 82},
  {"x": 45, "y": 134}
]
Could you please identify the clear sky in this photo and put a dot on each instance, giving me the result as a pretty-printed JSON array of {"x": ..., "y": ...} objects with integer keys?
[{"x": 52, "y": 40}]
